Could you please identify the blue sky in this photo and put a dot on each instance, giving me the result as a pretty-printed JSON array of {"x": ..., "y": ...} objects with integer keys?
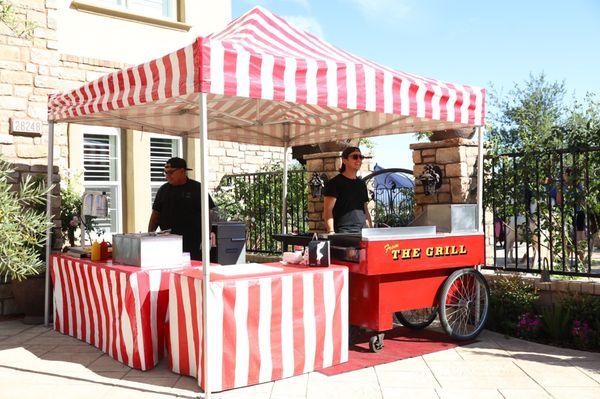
[{"x": 480, "y": 43}]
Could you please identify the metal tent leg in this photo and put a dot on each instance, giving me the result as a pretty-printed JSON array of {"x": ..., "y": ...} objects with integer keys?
[
  {"x": 480, "y": 179},
  {"x": 48, "y": 215},
  {"x": 284, "y": 191},
  {"x": 203, "y": 123}
]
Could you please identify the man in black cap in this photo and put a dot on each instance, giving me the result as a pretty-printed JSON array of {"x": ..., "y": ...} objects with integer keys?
[
  {"x": 177, "y": 207},
  {"x": 345, "y": 197}
]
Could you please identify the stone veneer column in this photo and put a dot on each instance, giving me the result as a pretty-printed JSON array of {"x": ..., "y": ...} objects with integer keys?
[
  {"x": 327, "y": 163},
  {"x": 457, "y": 158}
]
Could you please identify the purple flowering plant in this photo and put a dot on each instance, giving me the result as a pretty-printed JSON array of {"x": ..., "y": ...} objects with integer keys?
[
  {"x": 581, "y": 333},
  {"x": 529, "y": 325}
]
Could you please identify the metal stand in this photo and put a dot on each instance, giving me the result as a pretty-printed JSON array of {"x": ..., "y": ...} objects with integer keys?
[
  {"x": 284, "y": 190},
  {"x": 48, "y": 216},
  {"x": 203, "y": 126}
]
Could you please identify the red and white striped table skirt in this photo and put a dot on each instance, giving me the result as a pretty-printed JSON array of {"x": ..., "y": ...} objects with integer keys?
[
  {"x": 116, "y": 308},
  {"x": 263, "y": 327}
]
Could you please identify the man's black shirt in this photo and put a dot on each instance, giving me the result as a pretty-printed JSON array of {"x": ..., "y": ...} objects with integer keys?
[
  {"x": 179, "y": 209},
  {"x": 349, "y": 209}
]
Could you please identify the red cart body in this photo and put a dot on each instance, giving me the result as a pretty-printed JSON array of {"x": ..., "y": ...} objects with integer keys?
[{"x": 395, "y": 275}]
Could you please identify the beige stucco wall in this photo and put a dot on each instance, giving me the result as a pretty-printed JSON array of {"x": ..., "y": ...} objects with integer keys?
[
  {"x": 104, "y": 37},
  {"x": 65, "y": 52}
]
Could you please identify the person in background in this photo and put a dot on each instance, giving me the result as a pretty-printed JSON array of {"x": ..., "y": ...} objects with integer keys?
[
  {"x": 177, "y": 208},
  {"x": 346, "y": 197},
  {"x": 573, "y": 190}
]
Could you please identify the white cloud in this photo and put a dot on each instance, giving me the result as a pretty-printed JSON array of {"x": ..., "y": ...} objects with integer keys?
[
  {"x": 388, "y": 10},
  {"x": 309, "y": 24}
]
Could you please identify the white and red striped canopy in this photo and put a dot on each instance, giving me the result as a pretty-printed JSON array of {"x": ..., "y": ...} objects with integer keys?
[{"x": 269, "y": 83}]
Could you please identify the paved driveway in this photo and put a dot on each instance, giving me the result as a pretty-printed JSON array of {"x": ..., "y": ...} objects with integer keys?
[{"x": 39, "y": 363}]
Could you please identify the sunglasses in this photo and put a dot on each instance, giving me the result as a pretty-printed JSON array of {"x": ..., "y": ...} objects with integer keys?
[
  {"x": 356, "y": 156},
  {"x": 170, "y": 172}
]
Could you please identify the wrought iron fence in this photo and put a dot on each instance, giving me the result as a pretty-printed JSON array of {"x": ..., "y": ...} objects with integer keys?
[
  {"x": 546, "y": 208},
  {"x": 394, "y": 204},
  {"x": 256, "y": 199}
]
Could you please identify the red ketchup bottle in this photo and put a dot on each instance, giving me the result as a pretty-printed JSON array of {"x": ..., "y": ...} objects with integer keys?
[{"x": 103, "y": 250}]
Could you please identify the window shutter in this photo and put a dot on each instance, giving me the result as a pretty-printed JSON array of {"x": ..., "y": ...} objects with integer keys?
[{"x": 161, "y": 149}]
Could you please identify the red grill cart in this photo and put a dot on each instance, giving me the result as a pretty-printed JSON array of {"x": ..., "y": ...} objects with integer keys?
[{"x": 412, "y": 273}]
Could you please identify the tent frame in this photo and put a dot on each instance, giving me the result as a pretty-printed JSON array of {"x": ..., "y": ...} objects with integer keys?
[
  {"x": 203, "y": 150},
  {"x": 414, "y": 105}
]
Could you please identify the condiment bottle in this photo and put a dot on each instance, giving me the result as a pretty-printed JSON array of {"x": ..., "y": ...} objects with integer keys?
[
  {"x": 96, "y": 255},
  {"x": 103, "y": 250}
]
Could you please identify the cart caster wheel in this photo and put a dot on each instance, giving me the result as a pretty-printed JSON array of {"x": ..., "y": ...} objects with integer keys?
[{"x": 376, "y": 343}]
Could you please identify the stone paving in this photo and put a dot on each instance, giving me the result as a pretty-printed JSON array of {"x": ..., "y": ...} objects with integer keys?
[{"x": 36, "y": 362}]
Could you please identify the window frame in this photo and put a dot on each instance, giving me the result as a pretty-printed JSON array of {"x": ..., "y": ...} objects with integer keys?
[
  {"x": 177, "y": 22},
  {"x": 118, "y": 184}
]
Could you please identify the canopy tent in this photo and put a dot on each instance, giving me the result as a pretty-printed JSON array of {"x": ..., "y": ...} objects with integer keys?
[
  {"x": 263, "y": 81},
  {"x": 269, "y": 83}
]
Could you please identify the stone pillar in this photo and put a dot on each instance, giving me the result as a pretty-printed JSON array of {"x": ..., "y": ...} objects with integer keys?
[
  {"x": 457, "y": 159},
  {"x": 328, "y": 164}
]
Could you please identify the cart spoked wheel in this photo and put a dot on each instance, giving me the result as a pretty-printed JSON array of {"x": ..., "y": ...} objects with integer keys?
[
  {"x": 417, "y": 319},
  {"x": 464, "y": 304},
  {"x": 376, "y": 343}
]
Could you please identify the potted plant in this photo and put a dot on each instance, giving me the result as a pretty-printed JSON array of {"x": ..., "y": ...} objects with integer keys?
[
  {"x": 23, "y": 225},
  {"x": 70, "y": 205},
  {"x": 465, "y": 133}
]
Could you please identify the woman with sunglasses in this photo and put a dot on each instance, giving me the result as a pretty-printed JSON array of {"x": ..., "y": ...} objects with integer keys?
[{"x": 345, "y": 198}]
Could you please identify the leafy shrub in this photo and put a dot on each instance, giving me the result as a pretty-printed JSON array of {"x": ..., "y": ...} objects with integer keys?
[
  {"x": 22, "y": 226},
  {"x": 510, "y": 298},
  {"x": 584, "y": 307},
  {"x": 556, "y": 320},
  {"x": 586, "y": 311}
]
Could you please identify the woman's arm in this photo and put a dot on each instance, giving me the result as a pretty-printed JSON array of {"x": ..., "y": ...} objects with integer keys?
[
  {"x": 328, "y": 204},
  {"x": 368, "y": 215}
]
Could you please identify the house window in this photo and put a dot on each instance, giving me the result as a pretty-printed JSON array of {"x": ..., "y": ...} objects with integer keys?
[
  {"x": 161, "y": 149},
  {"x": 151, "y": 8},
  {"x": 102, "y": 172}
]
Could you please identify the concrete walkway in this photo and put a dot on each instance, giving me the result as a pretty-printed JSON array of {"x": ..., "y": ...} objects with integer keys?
[{"x": 39, "y": 363}]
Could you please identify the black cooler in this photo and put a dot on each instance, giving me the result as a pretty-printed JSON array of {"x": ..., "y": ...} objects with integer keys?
[{"x": 231, "y": 243}]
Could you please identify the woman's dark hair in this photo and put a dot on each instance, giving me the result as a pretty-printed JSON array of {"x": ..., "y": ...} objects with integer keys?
[{"x": 347, "y": 151}]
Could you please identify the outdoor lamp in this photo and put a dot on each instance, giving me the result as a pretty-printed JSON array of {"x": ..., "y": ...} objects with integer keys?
[
  {"x": 431, "y": 179},
  {"x": 316, "y": 184}
]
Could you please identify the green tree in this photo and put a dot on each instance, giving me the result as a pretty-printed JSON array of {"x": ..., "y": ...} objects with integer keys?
[
  {"x": 524, "y": 119},
  {"x": 550, "y": 135}
]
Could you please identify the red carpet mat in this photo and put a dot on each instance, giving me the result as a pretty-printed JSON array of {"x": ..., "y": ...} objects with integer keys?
[{"x": 400, "y": 343}]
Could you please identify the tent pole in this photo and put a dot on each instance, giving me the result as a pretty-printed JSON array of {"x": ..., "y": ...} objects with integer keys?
[
  {"x": 203, "y": 124},
  {"x": 284, "y": 190},
  {"x": 480, "y": 179},
  {"x": 48, "y": 216}
]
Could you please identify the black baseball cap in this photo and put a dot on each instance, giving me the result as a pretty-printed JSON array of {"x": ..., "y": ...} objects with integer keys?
[
  {"x": 176, "y": 163},
  {"x": 349, "y": 150}
]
